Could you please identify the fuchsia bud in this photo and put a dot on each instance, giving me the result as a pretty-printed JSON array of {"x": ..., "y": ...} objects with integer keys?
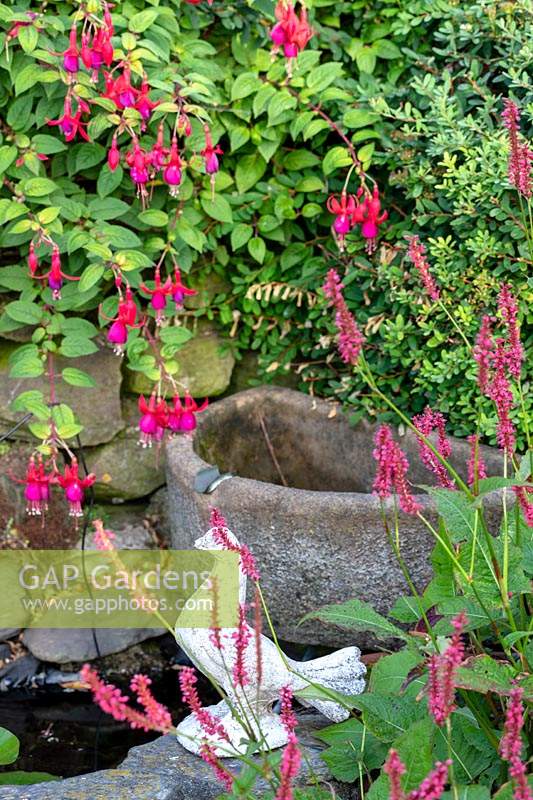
[
  {"x": 172, "y": 171},
  {"x": 33, "y": 261},
  {"x": 113, "y": 155}
]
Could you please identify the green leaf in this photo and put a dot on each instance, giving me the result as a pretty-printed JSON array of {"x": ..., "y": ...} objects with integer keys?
[
  {"x": 310, "y": 184},
  {"x": 109, "y": 208},
  {"x": 75, "y": 326},
  {"x": 335, "y": 158},
  {"x": 142, "y": 21},
  {"x": 76, "y": 346},
  {"x": 240, "y": 235},
  {"x": 250, "y": 170},
  {"x": 47, "y": 145},
  {"x": 300, "y": 159},
  {"x": 33, "y": 401},
  {"x": 415, "y": 748},
  {"x": 175, "y": 335},
  {"x": 108, "y": 181},
  {"x": 191, "y": 236},
  {"x": 359, "y": 616},
  {"x": 456, "y": 510},
  {"x": 8, "y": 154},
  {"x": 320, "y": 77},
  {"x": 90, "y": 276},
  {"x": 28, "y": 38},
  {"x": 27, "y": 78},
  {"x": 217, "y": 207},
  {"x": 388, "y": 717},
  {"x": 384, "y": 48},
  {"x": 245, "y": 84},
  {"x": 77, "y": 377},
  {"x": 484, "y": 674},
  {"x": 349, "y": 746},
  {"x": 38, "y": 187},
  {"x": 389, "y": 674},
  {"x": 89, "y": 155},
  {"x": 24, "y": 311},
  {"x": 27, "y": 368},
  {"x": 366, "y": 59},
  {"x": 257, "y": 249},
  {"x": 154, "y": 218},
  {"x": 22, "y": 778},
  {"x": 9, "y": 747}
]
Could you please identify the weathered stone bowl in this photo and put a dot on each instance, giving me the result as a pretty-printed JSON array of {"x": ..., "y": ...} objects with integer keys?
[{"x": 320, "y": 538}]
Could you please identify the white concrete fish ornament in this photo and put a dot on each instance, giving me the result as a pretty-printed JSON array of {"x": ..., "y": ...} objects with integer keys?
[{"x": 341, "y": 671}]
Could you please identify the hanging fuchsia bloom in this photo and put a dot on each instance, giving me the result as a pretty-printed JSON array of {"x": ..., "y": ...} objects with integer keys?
[
  {"x": 343, "y": 209},
  {"x": 189, "y": 411},
  {"x": 139, "y": 161},
  {"x": 180, "y": 291},
  {"x": 351, "y": 339},
  {"x": 55, "y": 275},
  {"x": 417, "y": 255},
  {"x": 74, "y": 487},
  {"x": 153, "y": 421},
  {"x": 242, "y": 637},
  {"x": 123, "y": 322},
  {"x": 210, "y": 725},
  {"x": 508, "y": 307},
  {"x": 442, "y": 671},
  {"x": 143, "y": 104},
  {"x": 172, "y": 171},
  {"x": 483, "y": 352},
  {"x": 113, "y": 155},
  {"x": 33, "y": 261},
  {"x": 103, "y": 540},
  {"x": 210, "y": 154},
  {"x": 370, "y": 216},
  {"x": 36, "y": 488},
  {"x": 520, "y": 155},
  {"x": 159, "y": 295},
  {"x": 426, "y": 423},
  {"x": 71, "y": 124},
  {"x": 207, "y": 753},
  {"x": 476, "y": 466},
  {"x": 391, "y": 476},
  {"x": 113, "y": 702},
  {"x": 511, "y": 745},
  {"x": 522, "y": 493},
  {"x": 71, "y": 56},
  {"x": 221, "y": 535},
  {"x": 289, "y": 768},
  {"x": 291, "y": 32},
  {"x": 499, "y": 391}
]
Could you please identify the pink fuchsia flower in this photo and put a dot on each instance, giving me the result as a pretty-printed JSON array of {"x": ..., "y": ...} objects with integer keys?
[
  {"x": 172, "y": 171},
  {"x": 499, "y": 391},
  {"x": 36, "y": 487},
  {"x": 210, "y": 154},
  {"x": 190, "y": 409},
  {"x": 139, "y": 161},
  {"x": 102, "y": 539},
  {"x": 125, "y": 320},
  {"x": 351, "y": 339},
  {"x": 158, "y": 295},
  {"x": 179, "y": 290},
  {"x": 113, "y": 702},
  {"x": 71, "y": 124},
  {"x": 343, "y": 210},
  {"x": 74, "y": 487},
  {"x": 476, "y": 466},
  {"x": 210, "y": 725},
  {"x": 221, "y": 536},
  {"x": 442, "y": 673},
  {"x": 242, "y": 637},
  {"x": 159, "y": 153},
  {"x": 71, "y": 56},
  {"x": 391, "y": 476},
  {"x": 289, "y": 768},
  {"x": 113, "y": 155},
  {"x": 426, "y": 423},
  {"x": 291, "y": 32},
  {"x": 417, "y": 255},
  {"x": 207, "y": 753},
  {"x": 520, "y": 156},
  {"x": 33, "y": 261},
  {"x": 369, "y": 215},
  {"x": 143, "y": 104},
  {"x": 483, "y": 352},
  {"x": 511, "y": 745},
  {"x": 508, "y": 308},
  {"x": 153, "y": 421}
]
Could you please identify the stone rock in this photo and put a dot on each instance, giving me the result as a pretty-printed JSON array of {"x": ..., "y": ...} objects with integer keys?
[
  {"x": 97, "y": 409},
  {"x": 205, "y": 366},
  {"x": 319, "y": 539},
  {"x": 157, "y": 514},
  {"x": 246, "y": 375},
  {"x": 60, "y": 646},
  {"x": 128, "y": 523},
  {"x": 164, "y": 770},
  {"x": 124, "y": 470},
  {"x": 8, "y": 633},
  {"x": 207, "y": 288}
]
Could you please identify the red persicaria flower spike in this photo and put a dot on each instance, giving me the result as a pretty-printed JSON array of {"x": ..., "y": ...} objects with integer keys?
[
  {"x": 153, "y": 421},
  {"x": 483, "y": 352},
  {"x": 373, "y": 217},
  {"x": 159, "y": 295},
  {"x": 520, "y": 156},
  {"x": 242, "y": 637},
  {"x": 351, "y": 339},
  {"x": 511, "y": 745},
  {"x": 522, "y": 493},
  {"x": 71, "y": 56},
  {"x": 500, "y": 392},
  {"x": 508, "y": 307},
  {"x": 343, "y": 209},
  {"x": 417, "y": 255},
  {"x": 394, "y": 768},
  {"x": 74, "y": 487},
  {"x": 210, "y": 725},
  {"x": 113, "y": 155},
  {"x": 426, "y": 423},
  {"x": 102, "y": 539},
  {"x": 432, "y": 787},
  {"x": 289, "y": 768},
  {"x": 70, "y": 124},
  {"x": 288, "y": 718},
  {"x": 391, "y": 476},
  {"x": 172, "y": 171},
  {"x": 207, "y": 753},
  {"x": 222, "y": 537},
  {"x": 442, "y": 673},
  {"x": 179, "y": 290},
  {"x": 156, "y": 712},
  {"x": 476, "y": 466}
]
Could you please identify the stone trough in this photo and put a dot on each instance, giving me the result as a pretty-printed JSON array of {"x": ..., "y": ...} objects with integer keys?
[{"x": 301, "y": 499}]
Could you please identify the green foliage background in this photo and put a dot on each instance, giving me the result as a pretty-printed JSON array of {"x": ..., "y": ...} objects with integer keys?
[{"x": 417, "y": 86}]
